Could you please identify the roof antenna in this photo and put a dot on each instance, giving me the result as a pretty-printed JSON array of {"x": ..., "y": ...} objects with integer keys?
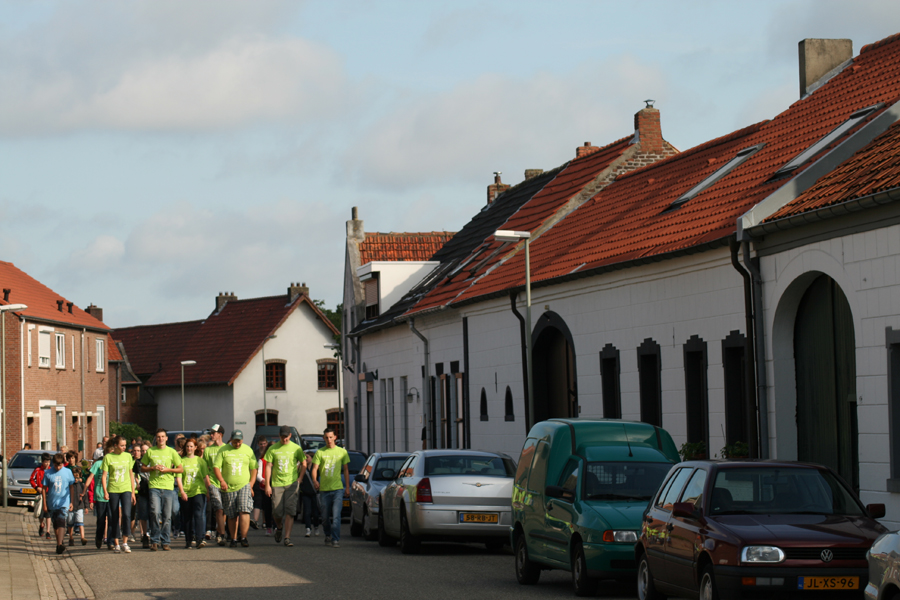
[{"x": 630, "y": 455}]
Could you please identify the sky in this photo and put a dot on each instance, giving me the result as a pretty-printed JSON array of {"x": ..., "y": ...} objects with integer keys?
[{"x": 155, "y": 153}]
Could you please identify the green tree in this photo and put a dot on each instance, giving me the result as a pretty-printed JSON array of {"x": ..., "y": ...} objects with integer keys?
[
  {"x": 129, "y": 431},
  {"x": 336, "y": 317}
]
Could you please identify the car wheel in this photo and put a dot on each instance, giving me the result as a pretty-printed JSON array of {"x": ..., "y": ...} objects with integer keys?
[
  {"x": 356, "y": 529},
  {"x": 384, "y": 540},
  {"x": 584, "y": 584},
  {"x": 369, "y": 534},
  {"x": 646, "y": 588},
  {"x": 708, "y": 589},
  {"x": 409, "y": 544},
  {"x": 527, "y": 573}
]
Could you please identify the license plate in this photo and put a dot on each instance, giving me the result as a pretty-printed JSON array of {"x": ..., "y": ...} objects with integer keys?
[
  {"x": 479, "y": 518},
  {"x": 346, "y": 504},
  {"x": 828, "y": 583},
  {"x": 28, "y": 491}
]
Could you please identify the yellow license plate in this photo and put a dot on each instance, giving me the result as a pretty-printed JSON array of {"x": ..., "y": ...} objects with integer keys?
[
  {"x": 28, "y": 491},
  {"x": 828, "y": 583},
  {"x": 346, "y": 504},
  {"x": 479, "y": 518}
]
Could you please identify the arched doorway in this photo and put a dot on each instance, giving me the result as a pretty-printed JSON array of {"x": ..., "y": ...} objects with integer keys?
[
  {"x": 825, "y": 369},
  {"x": 553, "y": 369}
]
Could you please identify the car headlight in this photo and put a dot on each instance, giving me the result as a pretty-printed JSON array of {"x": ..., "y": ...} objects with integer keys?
[
  {"x": 620, "y": 535},
  {"x": 762, "y": 554},
  {"x": 10, "y": 481}
]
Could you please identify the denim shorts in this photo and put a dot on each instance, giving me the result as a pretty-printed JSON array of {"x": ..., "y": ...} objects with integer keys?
[{"x": 75, "y": 518}]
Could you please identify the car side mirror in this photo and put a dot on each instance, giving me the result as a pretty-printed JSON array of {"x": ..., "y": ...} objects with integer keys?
[
  {"x": 360, "y": 477},
  {"x": 685, "y": 510},
  {"x": 876, "y": 511},
  {"x": 555, "y": 491}
]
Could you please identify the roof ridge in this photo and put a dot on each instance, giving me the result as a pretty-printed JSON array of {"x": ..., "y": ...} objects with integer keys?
[
  {"x": 884, "y": 42},
  {"x": 410, "y": 233},
  {"x": 728, "y": 137},
  {"x": 158, "y": 324},
  {"x": 606, "y": 147}
]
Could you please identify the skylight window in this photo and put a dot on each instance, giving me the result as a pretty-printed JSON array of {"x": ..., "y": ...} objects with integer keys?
[
  {"x": 826, "y": 141},
  {"x": 739, "y": 158}
]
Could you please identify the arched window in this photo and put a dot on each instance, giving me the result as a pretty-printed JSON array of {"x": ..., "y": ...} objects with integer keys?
[
  {"x": 649, "y": 370},
  {"x": 484, "y": 414},
  {"x": 510, "y": 416}
]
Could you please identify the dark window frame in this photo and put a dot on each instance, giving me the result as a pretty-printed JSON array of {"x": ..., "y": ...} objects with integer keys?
[
  {"x": 276, "y": 376},
  {"x": 892, "y": 343},
  {"x": 735, "y": 341},
  {"x": 509, "y": 411},
  {"x": 484, "y": 406},
  {"x": 611, "y": 382},
  {"x": 692, "y": 348},
  {"x": 326, "y": 372},
  {"x": 651, "y": 399}
]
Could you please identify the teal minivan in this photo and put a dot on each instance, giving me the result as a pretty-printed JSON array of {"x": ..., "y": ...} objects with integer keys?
[{"x": 580, "y": 492}]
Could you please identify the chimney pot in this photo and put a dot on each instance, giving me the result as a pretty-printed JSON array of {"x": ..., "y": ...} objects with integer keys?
[
  {"x": 70, "y": 305},
  {"x": 6, "y": 293},
  {"x": 59, "y": 305},
  {"x": 818, "y": 57},
  {"x": 355, "y": 213},
  {"x": 94, "y": 311},
  {"x": 224, "y": 298},
  {"x": 296, "y": 290},
  {"x": 585, "y": 150},
  {"x": 496, "y": 188}
]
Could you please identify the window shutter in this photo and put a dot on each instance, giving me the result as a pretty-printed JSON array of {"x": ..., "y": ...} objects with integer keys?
[{"x": 372, "y": 292}]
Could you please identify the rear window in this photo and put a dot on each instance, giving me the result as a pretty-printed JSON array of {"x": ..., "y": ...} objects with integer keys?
[
  {"x": 385, "y": 464},
  {"x": 623, "y": 480},
  {"x": 25, "y": 461},
  {"x": 357, "y": 461},
  {"x": 490, "y": 466}
]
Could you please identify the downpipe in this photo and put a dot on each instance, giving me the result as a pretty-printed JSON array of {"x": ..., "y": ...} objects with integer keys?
[
  {"x": 426, "y": 392},
  {"x": 749, "y": 357},
  {"x": 762, "y": 388},
  {"x": 513, "y": 297}
]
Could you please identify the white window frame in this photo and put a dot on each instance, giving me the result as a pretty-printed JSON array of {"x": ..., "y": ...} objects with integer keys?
[
  {"x": 60, "y": 342},
  {"x": 101, "y": 354},
  {"x": 44, "y": 361},
  {"x": 30, "y": 329},
  {"x": 718, "y": 174},
  {"x": 60, "y": 431}
]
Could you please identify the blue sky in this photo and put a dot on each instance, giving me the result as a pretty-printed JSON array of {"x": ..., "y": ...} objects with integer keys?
[{"x": 154, "y": 153}]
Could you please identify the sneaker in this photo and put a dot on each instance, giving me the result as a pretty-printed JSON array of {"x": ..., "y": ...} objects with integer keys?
[
  {"x": 167, "y": 547},
  {"x": 287, "y": 542},
  {"x": 209, "y": 535},
  {"x": 106, "y": 541},
  {"x": 254, "y": 524},
  {"x": 335, "y": 544},
  {"x": 152, "y": 547},
  {"x": 117, "y": 549},
  {"x": 278, "y": 536},
  {"x": 328, "y": 540},
  {"x": 233, "y": 544},
  {"x": 60, "y": 549},
  {"x": 268, "y": 531},
  {"x": 316, "y": 531},
  {"x": 47, "y": 535},
  {"x": 202, "y": 544},
  {"x": 126, "y": 548},
  {"x": 177, "y": 533},
  {"x": 245, "y": 542},
  {"x": 220, "y": 539},
  {"x": 307, "y": 532}
]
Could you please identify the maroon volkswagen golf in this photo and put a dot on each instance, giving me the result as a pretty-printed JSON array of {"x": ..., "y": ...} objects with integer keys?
[{"x": 729, "y": 529}]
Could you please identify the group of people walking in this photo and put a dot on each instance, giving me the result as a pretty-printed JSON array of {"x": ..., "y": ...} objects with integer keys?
[{"x": 214, "y": 480}]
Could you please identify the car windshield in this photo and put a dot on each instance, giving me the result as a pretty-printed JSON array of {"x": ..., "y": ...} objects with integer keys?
[
  {"x": 357, "y": 461},
  {"x": 387, "y": 463},
  {"x": 490, "y": 466},
  {"x": 781, "y": 490},
  {"x": 623, "y": 480},
  {"x": 25, "y": 461}
]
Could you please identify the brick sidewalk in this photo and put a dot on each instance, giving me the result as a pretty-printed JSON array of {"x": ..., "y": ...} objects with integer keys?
[{"x": 30, "y": 568}]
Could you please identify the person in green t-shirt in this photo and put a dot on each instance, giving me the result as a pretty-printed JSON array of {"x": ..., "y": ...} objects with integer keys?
[
  {"x": 215, "y": 494},
  {"x": 118, "y": 489},
  {"x": 328, "y": 463},
  {"x": 162, "y": 463},
  {"x": 235, "y": 469},
  {"x": 192, "y": 486},
  {"x": 282, "y": 482},
  {"x": 100, "y": 505}
]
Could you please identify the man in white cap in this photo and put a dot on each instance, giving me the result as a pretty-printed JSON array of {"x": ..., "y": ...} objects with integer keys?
[
  {"x": 235, "y": 469},
  {"x": 214, "y": 492}
]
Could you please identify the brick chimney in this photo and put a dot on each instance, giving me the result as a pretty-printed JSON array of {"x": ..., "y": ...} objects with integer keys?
[
  {"x": 585, "y": 150},
  {"x": 648, "y": 130},
  {"x": 532, "y": 173},
  {"x": 818, "y": 57},
  {"x": 296, "y": 289},
  {"x": 496, "y": 188},
  {"x": 224, "y": 298},
  {"x": 94, "y": 311}
]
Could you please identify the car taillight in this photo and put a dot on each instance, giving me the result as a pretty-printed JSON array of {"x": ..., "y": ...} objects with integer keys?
[{"x": 423, "y": 491}]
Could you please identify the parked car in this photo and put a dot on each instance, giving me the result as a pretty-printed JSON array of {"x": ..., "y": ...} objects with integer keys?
[
  {"x": 378, "y": 471},
  {"x": 187, "y": 433},
  {"x": 271, "y": 433},
  {"x": 729, "y": 529},
  {"x": 884, "y": 568},
  {"x": 18, "y": 474},
  {"x": 357, "y": 460},
  {"x": 448, "y": 495},
  {"x": 314, "y": 441},
  {"x": 580, "y": 494}
]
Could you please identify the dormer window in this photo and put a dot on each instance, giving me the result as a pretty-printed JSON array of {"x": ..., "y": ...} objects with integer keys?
[
  {"x": 835, "y": 134},
  {"x": 371, "y": 288},
  {"x": 724, "y": 170}
]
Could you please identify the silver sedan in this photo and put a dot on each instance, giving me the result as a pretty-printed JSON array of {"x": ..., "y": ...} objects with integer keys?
[
  {"x": 448, "y": 495},
  {"x": 380, "y": 469}
]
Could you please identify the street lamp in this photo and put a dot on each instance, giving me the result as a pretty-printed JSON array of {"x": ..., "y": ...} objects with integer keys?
[
  {"x": 265, "y": 383},
  {"x": 340, "y": 375},
  {"x": 505, "y": 235},
  {"x": 4, "y": 460},
  {"x": 184, "y": 363}
]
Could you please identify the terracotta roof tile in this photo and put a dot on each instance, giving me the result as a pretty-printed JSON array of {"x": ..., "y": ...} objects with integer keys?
[
  {"x": 112, "y": 350},
  {"x": 401, "y": 246}
]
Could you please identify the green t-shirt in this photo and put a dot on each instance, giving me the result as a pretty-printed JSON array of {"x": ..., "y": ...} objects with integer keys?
[
  {"x": 168, "y": 458},
  {"x": 235, "y": 464},
  {"x": 118, "y": 467},
  {"x": 194, "y": 479},
  {"x": 284, "y": 459},
  {"x": 330, "y": 461},
  {"x": 97, "y": 472},
  {"x": 209, "y": 456}
]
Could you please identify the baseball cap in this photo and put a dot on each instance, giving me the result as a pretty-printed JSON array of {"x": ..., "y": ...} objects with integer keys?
[
  {"x": 285, "y": 430},
  {"x": 217, "y": 428},
  {"x": 237, "y": 434}
]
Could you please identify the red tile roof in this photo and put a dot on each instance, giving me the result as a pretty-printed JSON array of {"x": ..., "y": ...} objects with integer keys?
[
  {"x": 401, "y": 246},
  {"x": 112, "y": 352},
  {"x": 874, "y": 169},
  {"x": 629, "y": 221},
  {"x": 222, "y": 344},
  {"x": 42, "y": 302}
]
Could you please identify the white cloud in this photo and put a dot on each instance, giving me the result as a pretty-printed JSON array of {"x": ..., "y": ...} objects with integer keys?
[
  {"x": 498, "y": 122},
  {"x": 102, "y": 254}
]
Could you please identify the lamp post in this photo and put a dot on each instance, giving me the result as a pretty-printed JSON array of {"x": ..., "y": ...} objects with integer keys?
[
  {"x": 505, "y": 235},
  {"x": 3, "y": 311},
  {"x": 184, "y": 363},
  {"x": 265, "y": 383},
  {"x": 340, "y": 374}
]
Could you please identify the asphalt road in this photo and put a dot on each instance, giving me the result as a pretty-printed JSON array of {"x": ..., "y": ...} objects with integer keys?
[{"x": 356, "y": 569}]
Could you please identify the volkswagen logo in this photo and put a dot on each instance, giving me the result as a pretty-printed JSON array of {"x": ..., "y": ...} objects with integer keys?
[{"x": 826, "y": 555}]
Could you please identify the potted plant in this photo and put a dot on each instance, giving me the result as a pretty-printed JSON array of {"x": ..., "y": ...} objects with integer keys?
[
  {"x": 735, "y": 450},
  {"x": 693, "y": 451}
]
